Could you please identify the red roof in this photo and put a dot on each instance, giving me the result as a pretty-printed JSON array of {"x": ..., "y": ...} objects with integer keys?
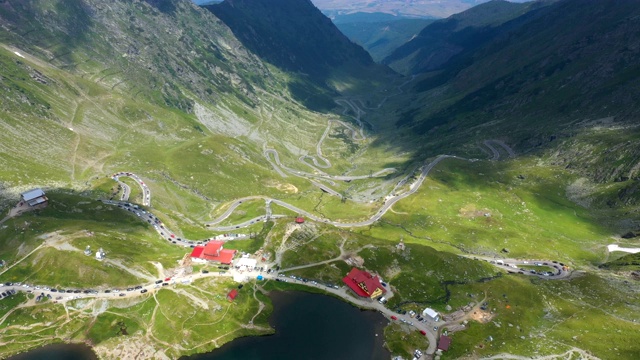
[
  {"x": 213, "y": 253},
  {"x": 363, "y": 283},
  {"x": 232, "y": 294},
  {"x": 213, "y": 248},
  {"x": 225, "y": 256},
  {"x": 197, "y": 251},
  {"x": 299, "y": 220},
  {"x": 444, "y": 343}
]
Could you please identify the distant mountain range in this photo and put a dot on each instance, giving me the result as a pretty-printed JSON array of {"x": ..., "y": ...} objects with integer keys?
[
  {"x": 379, "y": 33},
  {"x": 207, "y": 2},
  {"x": 404, "y": 8}
]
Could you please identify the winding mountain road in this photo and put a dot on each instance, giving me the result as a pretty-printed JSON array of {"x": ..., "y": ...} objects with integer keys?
[
  {"x": 126, "y": 190},
  {"x": 495, "y": 152}
]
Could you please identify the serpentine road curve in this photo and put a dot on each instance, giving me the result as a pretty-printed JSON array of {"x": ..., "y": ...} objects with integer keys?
[
  {"x": 126, "y": 190},
  {"x": 273, "y": 158}
]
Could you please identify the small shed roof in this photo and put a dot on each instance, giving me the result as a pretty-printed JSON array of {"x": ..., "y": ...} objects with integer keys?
[
  {"x": 232, "y": 294},
  {"x": 444, "y": 343},
  {"x": 32, "y": 194}
]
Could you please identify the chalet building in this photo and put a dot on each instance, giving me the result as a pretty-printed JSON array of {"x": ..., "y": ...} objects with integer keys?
[
  {"x": 213, "y": 252},
  {"x": 35, "y": 197},
  {"x": 364, "y": 284}
]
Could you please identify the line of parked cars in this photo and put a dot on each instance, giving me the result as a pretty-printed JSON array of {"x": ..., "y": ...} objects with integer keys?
[{"x": 7, "y": 293}]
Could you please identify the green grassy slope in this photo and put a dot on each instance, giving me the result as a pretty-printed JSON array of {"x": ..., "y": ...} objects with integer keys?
[
  {"x": 165, "y": 90},
  {"x": 564, "y": 95}
]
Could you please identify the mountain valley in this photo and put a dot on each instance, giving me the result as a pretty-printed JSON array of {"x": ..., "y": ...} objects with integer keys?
[{"x": 506, "y": 133}]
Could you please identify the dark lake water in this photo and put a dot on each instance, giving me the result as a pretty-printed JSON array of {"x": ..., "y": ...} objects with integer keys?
[
  {"x": 58, "y": 352},
  {"x": 311, "y": 327},
  {"x": 308, "y": 326}
]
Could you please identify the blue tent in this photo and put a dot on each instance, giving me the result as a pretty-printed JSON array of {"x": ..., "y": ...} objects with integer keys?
[{"x": 260, "y": 277}]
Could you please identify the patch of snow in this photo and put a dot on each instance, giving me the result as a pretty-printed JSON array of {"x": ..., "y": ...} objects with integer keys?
[{"x": 614, "y": 247}]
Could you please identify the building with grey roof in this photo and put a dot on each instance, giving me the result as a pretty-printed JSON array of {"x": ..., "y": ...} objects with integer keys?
[{"x": 34, "y": 197}]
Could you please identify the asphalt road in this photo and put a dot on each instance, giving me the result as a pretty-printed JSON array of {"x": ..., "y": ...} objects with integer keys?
[
  {"x": 168, "y": 235},
  {"x": 513, "y": 266},
  {"x": 389, "y": 202},
  {"x": 430, "y": 327},
  {"x": 126, "y": 191},
  {"x": 148, "y": 289},
  {"x": 495, "y": 152},
  {"x": 146, "y": 192},
  {"x": 356, "y": 135}
]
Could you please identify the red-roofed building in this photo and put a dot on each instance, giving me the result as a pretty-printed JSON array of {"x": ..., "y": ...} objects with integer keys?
[
  {"x": 364, "y": 284},
  {"x": 232, "y": 295},
  {"x": 213, "y": 251},
  {"x": 299, "y": 220},
  {"x": 197, "y": 252},
  {"x": 444, "y": 343}
]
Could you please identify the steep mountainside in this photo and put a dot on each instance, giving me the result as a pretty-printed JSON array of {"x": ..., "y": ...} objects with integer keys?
[
  {"x": 100, "y": 85},
  {"x": 379, "y": 35},
  {"x": 443, "y": 39},
  {"x": 543, "y": 87},
  {"x": 132, "y": 41},
  {"x": 216, "y": 125},
  {"x": 292, "y": 35},
  {"x": 89, "y": 79}
]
